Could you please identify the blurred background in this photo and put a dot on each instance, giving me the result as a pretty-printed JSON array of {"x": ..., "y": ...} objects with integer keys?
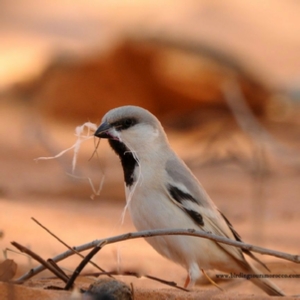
[{"x": 223, "y": 78}]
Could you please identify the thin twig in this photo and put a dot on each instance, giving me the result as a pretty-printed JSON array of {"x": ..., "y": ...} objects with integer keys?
[
  {"x": 66, "y": 245},
  {"x": 133, "y": 274},
  {"x": 259, "y": 174},
  {"x": 54, "y": 264},
  {"x": 170, "y": 283},
  {"x": 137, "y": 275},
  {"x": 160, "y": 232},
  {"x": 82, "y": 264},
  {"x": 55, "y": 270}
]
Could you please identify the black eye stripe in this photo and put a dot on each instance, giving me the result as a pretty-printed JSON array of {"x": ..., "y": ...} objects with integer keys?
[{"x": 124, "y": 123}]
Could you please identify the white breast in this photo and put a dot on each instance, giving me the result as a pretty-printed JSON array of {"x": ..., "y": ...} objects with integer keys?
[{"x": 150, "y": 208}]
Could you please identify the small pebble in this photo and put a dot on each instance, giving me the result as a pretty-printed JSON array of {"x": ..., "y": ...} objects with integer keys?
[{"x": 108, "y": 289}]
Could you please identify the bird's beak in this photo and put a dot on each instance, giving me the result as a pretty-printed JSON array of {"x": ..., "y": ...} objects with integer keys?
[{"x": 103, "y": 131}]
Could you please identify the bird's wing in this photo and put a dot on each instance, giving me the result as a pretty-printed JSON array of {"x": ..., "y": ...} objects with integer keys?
[{"x": 187, "y": 193}]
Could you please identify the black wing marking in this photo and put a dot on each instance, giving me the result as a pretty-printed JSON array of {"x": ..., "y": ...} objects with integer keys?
[{"x": 180, "y": 197}]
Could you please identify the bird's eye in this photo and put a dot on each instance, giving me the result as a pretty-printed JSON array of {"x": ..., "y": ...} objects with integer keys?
[{"x": 128, "y": 122}]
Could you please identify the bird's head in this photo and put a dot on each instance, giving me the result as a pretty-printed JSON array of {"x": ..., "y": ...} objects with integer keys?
[{"x": 134, "y": 127}]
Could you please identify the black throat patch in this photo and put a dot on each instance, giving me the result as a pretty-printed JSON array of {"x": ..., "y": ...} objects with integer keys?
[{"x": 128, "y": 161}]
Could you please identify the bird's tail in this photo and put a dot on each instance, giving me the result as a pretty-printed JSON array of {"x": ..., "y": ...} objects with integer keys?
[{"x": 264, "y": 283}]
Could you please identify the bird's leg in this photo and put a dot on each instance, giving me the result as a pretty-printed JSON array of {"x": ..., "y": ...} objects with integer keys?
[
  {"x": 193, "y": 275},
  {"x": 187, "y": 281}
]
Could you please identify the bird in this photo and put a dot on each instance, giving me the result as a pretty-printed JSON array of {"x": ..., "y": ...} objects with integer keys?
[{"x": 163, "y": 193}]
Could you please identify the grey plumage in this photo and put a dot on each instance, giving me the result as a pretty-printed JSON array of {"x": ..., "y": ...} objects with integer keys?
[{"x": 162, "y": 192}]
